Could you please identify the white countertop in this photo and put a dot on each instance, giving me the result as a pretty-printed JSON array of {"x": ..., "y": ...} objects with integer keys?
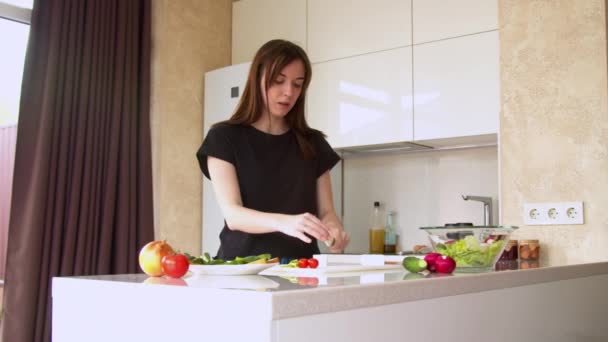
[{"x": 300, "y": 296}]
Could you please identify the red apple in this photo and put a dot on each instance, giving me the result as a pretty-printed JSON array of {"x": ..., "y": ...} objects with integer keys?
[
  {"x": 151, "y": 255},
  {"x": 445, "y": 264},
  {"x": 430, "y": 261}
]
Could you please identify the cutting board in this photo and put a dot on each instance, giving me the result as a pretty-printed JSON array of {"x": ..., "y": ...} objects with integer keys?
[{"x": 333, "y": 270}]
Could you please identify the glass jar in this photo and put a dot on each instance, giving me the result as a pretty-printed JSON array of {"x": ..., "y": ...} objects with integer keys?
[
  {"x": 529, "y": 250},
  {"x": 505, "y": 265},
  {"x": 527, "y": 264},
  {"x": 510, "y": 252}
]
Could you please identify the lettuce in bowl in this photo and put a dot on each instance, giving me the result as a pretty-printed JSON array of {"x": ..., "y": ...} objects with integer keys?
[
  {"x": 474, "y": 248},
  {"x": 469, "y": 252}
]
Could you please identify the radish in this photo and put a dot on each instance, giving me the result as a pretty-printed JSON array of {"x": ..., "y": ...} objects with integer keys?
[
  {"x": 430, "y": 260},
  {"x": 445, "y": 264}
]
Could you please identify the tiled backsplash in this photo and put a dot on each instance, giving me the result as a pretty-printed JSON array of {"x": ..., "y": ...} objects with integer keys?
[{"x": 423, "y": 188}]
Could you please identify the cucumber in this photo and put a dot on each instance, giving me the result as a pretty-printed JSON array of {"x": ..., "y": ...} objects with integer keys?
[{"x": 414, "y": 264}]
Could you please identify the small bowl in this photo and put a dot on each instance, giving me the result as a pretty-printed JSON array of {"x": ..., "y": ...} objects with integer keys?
[{"x": 474, "y": 248}]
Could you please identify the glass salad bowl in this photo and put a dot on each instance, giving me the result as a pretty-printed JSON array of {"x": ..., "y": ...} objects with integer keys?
[{"x": 474, "y": 248}]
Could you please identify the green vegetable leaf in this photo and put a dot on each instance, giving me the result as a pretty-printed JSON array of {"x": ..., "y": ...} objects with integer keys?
[
  {"x": 469, "y": 252},
  {"x": 206, "y": 257}
]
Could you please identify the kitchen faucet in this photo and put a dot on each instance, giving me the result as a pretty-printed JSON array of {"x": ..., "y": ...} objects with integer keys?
[{"x": 487, "y": 207}]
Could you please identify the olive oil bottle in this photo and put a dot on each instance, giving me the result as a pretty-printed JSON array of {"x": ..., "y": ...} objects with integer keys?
[{"x": 376, "y": 230}]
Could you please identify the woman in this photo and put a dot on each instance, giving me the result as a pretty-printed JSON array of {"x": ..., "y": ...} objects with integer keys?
[{"x": 269, "y": 170}]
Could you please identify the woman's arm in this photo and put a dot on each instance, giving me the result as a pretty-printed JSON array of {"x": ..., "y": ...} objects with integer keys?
[
  {"x": 327, "y": 214},
  {"x": 226, "y": 188}
]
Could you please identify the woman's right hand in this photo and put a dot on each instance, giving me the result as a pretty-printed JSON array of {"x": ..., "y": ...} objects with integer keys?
[{"x": 298, "y": 225}]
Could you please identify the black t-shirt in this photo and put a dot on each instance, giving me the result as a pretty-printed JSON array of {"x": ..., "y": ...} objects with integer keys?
[{"x": 273, "y": 177}]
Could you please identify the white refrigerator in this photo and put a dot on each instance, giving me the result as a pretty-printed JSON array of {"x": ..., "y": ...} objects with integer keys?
[{"x": 223, "y": 89}]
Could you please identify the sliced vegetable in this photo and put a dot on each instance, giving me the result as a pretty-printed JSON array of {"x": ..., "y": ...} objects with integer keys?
[
  {"x": 206, "y": 259},
  {"x": 292, "y": 264},
  {"x": 302, "y": 263}
]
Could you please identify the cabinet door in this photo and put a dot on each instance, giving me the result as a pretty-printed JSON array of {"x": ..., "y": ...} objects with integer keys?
[
  {"x": 254, "y": 22},
  {"x": 456, "y": 87},
  {"x": 223, "y": 89},
  {"x": 343, "y": 28},
  {"x": 363, "y": 100},
  {"x": 440, "y": 19}
]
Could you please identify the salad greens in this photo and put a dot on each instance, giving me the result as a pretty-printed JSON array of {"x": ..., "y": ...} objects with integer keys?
[
  {"x": 469, "y": 252},
  {"x": 206, "y": 259}
]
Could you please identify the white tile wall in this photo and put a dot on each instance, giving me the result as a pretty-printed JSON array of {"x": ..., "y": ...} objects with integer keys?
[{"x": 424, "y": 188}]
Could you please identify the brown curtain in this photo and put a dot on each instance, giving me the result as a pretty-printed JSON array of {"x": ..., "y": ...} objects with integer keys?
[{"x": 82, "y": 191}]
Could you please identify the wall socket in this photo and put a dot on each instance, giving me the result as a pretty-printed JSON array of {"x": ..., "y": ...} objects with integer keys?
[{"x": 553, "y": 213}]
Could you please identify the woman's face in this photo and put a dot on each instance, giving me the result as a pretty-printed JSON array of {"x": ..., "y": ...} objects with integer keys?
[{"x": 285, "y": 89}]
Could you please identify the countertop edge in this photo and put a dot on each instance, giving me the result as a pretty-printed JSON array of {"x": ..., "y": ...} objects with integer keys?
[{"x": 290, "y": 304}]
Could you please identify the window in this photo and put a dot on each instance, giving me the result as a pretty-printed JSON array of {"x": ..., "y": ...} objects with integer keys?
[
  {"x": 13, "y": 39},
  {"x": 14, "y": 33}
]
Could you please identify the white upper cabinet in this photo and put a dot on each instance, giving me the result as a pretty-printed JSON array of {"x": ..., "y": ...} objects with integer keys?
[
  {"x": 363, "y": 100},
  {"x": 456, "y": 87},
  {"x": 254, "y": 22},
  {"x": 363, "y": 72},
  {"x": 440, "y": 19},
  {"x": 343, "y": 28}
]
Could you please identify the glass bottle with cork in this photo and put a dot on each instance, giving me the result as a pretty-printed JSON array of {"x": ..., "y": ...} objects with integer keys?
[
  {"x": 390, "y": 234},
  {"x": 376, "y": 230}
]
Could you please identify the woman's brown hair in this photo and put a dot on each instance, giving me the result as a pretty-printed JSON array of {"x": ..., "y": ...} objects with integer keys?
[{"x": 268, "y": 62}]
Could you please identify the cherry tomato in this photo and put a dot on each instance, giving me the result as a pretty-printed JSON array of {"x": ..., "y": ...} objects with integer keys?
[
  {"x": 313, "y": 263},
  {"x": 308, "y": 281},
  {"x": 303, "y": 263},
  {"x": 312, "y": 281},
  {"x": 165, "y": 281},
  {"x": 175, "y": 265}
]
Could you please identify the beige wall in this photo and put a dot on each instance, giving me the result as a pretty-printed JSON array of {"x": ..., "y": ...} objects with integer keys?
[
  {"x": 190, "y": 37},
  {"x": 554, "y": 120}
]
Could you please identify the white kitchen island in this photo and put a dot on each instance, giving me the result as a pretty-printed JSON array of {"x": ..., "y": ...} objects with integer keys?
[{"x": 552, "y": 303}]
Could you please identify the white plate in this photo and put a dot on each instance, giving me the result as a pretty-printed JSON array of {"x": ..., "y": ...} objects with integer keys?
[{"x": 229, "y": 269}]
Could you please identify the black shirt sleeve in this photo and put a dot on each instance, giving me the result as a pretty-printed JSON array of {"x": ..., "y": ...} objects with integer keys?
[
  {"x": 327, "y": 158},
  {"x": 217, "y": 144}
]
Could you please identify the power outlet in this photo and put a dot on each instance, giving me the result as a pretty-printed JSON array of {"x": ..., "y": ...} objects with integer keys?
[{"x": 553, "y": 213}]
